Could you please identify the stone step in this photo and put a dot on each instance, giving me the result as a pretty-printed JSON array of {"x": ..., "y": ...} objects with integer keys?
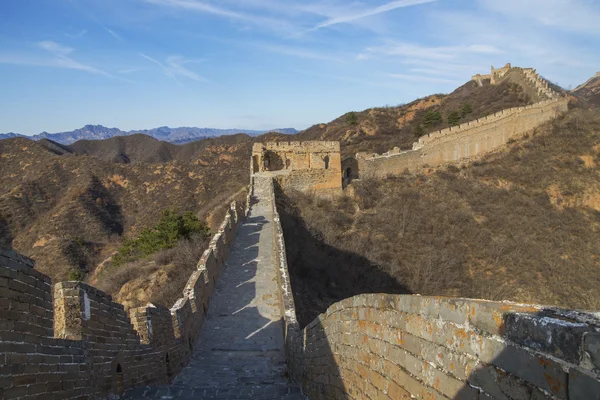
[{"x": 260, "y": 392}]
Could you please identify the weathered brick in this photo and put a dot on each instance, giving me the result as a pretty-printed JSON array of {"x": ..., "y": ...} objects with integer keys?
[
  {"x": 583, "y": 386},
  {"x": 547, "y": 333},
  {"x": 591, "y": 351}
]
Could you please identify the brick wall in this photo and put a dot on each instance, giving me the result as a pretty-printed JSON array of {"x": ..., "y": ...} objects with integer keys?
[
  {"x": 291, "y": 327},
  {"x": 75, "y": 342},
  {"x": 305, "y": 166},
  {"x": 405, "y": 346},
  {"x": 389, "y": 347},
  {"x": 472, "y": 138}
]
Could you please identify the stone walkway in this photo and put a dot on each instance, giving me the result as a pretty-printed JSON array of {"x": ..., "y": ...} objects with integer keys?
[{"x": 239, "y": 354}]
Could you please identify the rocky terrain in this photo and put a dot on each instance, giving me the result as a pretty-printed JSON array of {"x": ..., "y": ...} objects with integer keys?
[
  {"x": 522, "y": 224},
  {"x": 70, "y": 211},
  {"x": 589, "y": 92}
]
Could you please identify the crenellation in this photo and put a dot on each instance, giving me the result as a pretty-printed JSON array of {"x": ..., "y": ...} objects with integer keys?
[
  {"x": 72, "y": 346},
  {"x": 306, "y": 166},
  {"x": 474, "y": 138}
]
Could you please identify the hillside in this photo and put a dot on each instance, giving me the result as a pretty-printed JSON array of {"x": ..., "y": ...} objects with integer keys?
[
  {"x": 380, "y": 129},
  {"x": 143, "y": 148},
  {"x": 70, "y": 206},
  {"x": 70, "y": 211},
  {"x": 521, "y": 224},
  {"x": 589, "y": 92},
  {"x": 172, "y": 135}
]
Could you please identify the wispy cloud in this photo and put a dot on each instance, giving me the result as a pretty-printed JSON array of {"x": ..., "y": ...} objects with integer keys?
[
  {"x": 431, "y": 53},
  {"x": 369, "y": 12},
  {"x": 300, "y": 52},
  {"x": 112, "y": 33},
  {"x": 55, "y": 48},
  {"x": 196, "y": 6},
  {"x": 423, "y": 78},
  {"x": 130, "y": 70},
  {"x": 177, "y": 65},
  {"x": 107, "y": 29},
  {"x": 276, "y": 24},
  {"x": 568, "y": 15},
  {"x": 174, "y": 66},
  {"x": 58, "y": 61},
  {"x": 76, "y": 35}
]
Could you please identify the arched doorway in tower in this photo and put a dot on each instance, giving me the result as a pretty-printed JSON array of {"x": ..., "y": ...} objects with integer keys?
[{"x": 272, "y": 161}]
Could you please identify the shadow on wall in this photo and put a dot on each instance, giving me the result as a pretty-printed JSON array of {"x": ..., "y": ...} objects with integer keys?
[
  {"x": 322, "y": 275},
  {"x": 403, "y": 347},
  {"x": 6, "y": 236},
  {"x": 349, "y": 170},
  {"x": 272, "y": 161}
]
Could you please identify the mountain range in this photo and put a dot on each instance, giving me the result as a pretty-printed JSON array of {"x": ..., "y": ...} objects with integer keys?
[{"x": 172, "y": 135}]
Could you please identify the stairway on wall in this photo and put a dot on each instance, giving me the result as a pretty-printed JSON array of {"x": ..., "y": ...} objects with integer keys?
[{"x": 239, "y": 354}]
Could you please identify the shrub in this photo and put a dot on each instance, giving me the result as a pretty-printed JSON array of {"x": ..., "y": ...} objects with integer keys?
[
  {"x": 76, "y": 275},
  {"x": 351, "y": 118},
  {"x": 418, "y": 132},
  {"x": 432, "y": 118},
  {"x": 467, "y": 109},
  {"x": 454, "y": 118},
  {"x": 171, "y": 227}
]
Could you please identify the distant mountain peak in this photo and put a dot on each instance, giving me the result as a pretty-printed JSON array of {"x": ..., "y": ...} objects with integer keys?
[{"x": 173, "y": 135}]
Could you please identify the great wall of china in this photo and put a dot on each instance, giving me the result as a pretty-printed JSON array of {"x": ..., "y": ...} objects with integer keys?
[
  {"x": 473, "y": 138},
  {"x": 235, "y": 326}
]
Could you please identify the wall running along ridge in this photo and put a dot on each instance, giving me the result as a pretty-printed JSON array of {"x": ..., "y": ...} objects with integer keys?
[
  {"x": 84, "y": 345},
  {"x": 470, "y": 139}
]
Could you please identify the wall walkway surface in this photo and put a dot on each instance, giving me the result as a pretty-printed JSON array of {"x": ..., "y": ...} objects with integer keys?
[
  {"x": 75, "y": 342},
  {"x": 240, "y": 352}
]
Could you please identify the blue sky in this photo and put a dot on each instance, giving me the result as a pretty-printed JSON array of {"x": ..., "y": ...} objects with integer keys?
[{"x": 261, "y": 64}]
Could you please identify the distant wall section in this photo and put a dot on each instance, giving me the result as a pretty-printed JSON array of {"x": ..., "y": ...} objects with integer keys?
[{"x": 473, "y": 138}]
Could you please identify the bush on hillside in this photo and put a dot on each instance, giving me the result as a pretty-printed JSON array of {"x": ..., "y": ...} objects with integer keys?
[
  {"x": 467, "y": 109},
  {"x": 432, "y": 118},
  {"x": 351, "y": 118},
  {"x": 171, "y": 227},
  {"x": 454, "y": 118}
]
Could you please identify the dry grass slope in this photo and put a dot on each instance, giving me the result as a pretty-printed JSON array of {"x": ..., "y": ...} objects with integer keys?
[
  {"x": 522, "y": 224},
  {"x": 70, "y": 211},
  {"x": 380, "y": 129}
]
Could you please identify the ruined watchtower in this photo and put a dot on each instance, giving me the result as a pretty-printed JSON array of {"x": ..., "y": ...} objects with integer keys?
[{"x": 310, "y": 165}]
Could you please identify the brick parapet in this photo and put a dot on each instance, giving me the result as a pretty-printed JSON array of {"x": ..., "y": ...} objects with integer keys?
[
  {"x": 390, "y": 346},
  {"x": 302, "y": 147},
  {"x": 462, "y": 142},
  {"x": 72, "y": 347},
  {"x": 291, "y": 328},
  {"x": 471, "y": 138}
]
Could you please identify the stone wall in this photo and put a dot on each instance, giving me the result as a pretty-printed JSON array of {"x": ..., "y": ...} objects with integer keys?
[
  {"x": 81, "y": 344},
  {"x": 291, "y": 327},
  {"x": 377, "y": 346},
  {"x": 462, "y": 142},
  {"x": 407, "y": 346},
  {"x": 473, "y": 138},
  {"x": 306, "y": 166},
  {"x": 296, "y": 156}
]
